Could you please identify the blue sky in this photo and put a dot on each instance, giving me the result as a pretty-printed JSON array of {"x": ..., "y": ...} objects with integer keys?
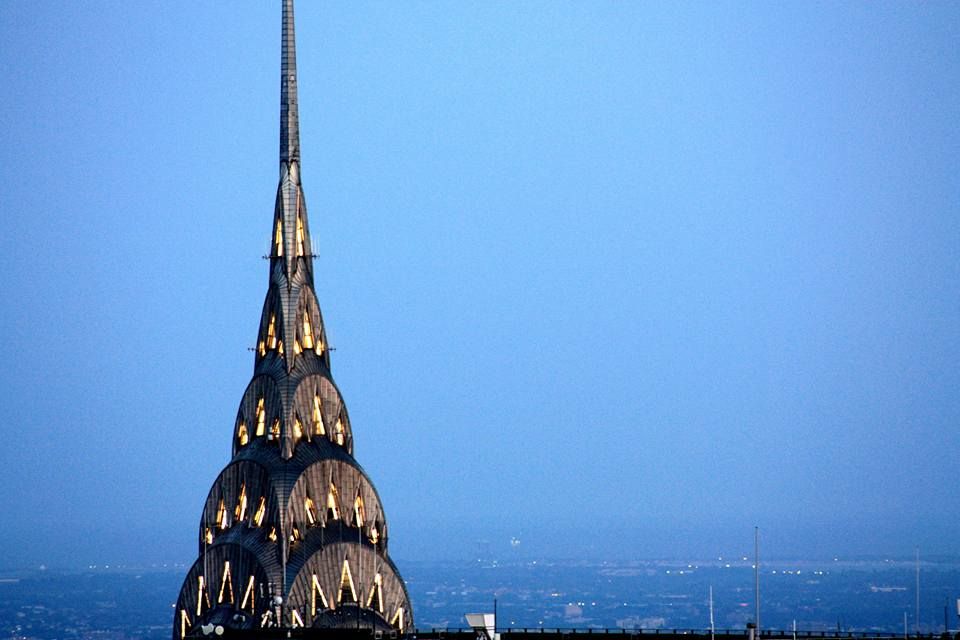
[{"x": 615, "y": 278}]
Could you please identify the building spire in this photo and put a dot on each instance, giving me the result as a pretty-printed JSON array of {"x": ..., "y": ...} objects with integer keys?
[{"x": 289, "y": 118}]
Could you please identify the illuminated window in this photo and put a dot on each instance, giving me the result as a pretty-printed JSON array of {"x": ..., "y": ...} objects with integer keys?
[
  {"x": 358, "y": 511},
  {"x": 208, "y": 536},
  {"x": 295, "y": 620},
  {"x": 272, "y": 332},
  {"x": 274, "y": 429},
  {"x": 295, "y": 535},
  {"x": 273, "y": 534},
  {"x": 346, "y": 582},
  {"x": 262, "y": 348},
  {"x": 297, "y": 350},
  {"x": 376, "y": 590},
  {"x": 280, "y": 347},
  {"x": 307, "y": 330},
  {"x": 241, "y": 510},
  {"x": 261, "y": 417},
  {"x": 248, "y": 596},
  {"x": 278, "y": 239},
  {"x": 242, "y": 434},
  {"x": 398, "y": 620},
  {"x": 299, "y": 235},
  {"x": 317, "y": 591},
  {"x": 317, "y": 416},
  {"x": 261, "y": 509},
  {"x": 203, "y": 598},
  {"x": 374, "y": 533},
  {"x": 333, "y": 500},
  {"x": 226, "y": 584},
  {"x": 310, "y": 510},
  {"x": 184, "y": 623},
  {"x": 222, "y": 515},
  {"x": 297, "y": 429},
  {"x": 339, "y": 432}
]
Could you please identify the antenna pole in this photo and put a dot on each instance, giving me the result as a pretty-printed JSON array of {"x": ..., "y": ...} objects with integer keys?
[
  {"x": 756, "y": 574},
  {"x": 916, "y": 622},
  {"x": 711, "y": 613}
]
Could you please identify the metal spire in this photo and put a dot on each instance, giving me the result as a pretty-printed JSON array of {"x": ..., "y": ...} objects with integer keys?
[{"x": 289, "y": 118}]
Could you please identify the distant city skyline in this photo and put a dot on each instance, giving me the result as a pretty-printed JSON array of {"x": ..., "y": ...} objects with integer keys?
[{"x": 615, "y": 279}]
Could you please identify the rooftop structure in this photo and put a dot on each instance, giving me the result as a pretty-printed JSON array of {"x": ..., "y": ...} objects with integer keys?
[{"x": 293, "y": 533}]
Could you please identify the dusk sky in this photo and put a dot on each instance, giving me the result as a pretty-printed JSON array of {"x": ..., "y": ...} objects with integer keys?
[{"x": 613, "y": 278}]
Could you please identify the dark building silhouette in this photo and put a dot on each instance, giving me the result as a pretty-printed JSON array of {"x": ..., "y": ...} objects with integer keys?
[{"x": 293, "y": 533}]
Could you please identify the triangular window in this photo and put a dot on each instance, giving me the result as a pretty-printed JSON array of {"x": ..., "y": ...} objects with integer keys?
[
  {"x": 226, "y": 584},
  {"x": 310, "y": 510},
  {"x": 248, "y": 596},
  {"x": 278, "y": 239},
  {"x": 272, "y": 332},
  {"x": 317, "y": 416},
  {"x": 222, "y": 515},
  {"x": 261, "y": 417},
  {"x": 299, "y": 235},
  {"x": 317, "y": 590},
  {"x": 242, "y": 436},
  {"x": 376, "y": 590},
  {"x": 259, "y": 513},
  {"x": 241, "y": 510},
  {"x": 333, "y": 503},
  {"x": 203, "y": 598},
  {"x": 398, "y": 619},
  {"x": 307, "y": 330},
  {"x": 346, "y": 583},
  {"x": 358, "y": 511}
]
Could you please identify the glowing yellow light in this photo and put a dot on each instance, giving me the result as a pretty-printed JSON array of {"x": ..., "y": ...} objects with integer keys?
[
  {"x": 274, "y": 429},
  {"x": 222, "y": 515},
  {"x": 272, "y": 332},
  {"x": 297, "y": 429},
  {"x": 295, "y": 535},
  {"x": 339, "y": 431},
  {"x": 184, "y": 623},
  {"x": 248, "y": 595},
  {"x": 317, "y": 416},
  {"x": 317, "y": 590},
  {"x": 208, "y": 536},
  {"x": 273, "y": 534},
  {"x": 299, "y": 235},
  {"x": 226, "y": 584},
  {"x": 261, "y": 417},
  {"x": 376, "y": 589},
  {"x": 309, "y": 508},
  {"x": 280, "y": 347},
  {"x": 295, "y": 620},
  {"x": 398, "y": 620},
  {"x": 242, "y": 434},
  {"x": 261, "y": 509},
  {"x": 346, "y": 582},
  {"x": 296, "y": 347},
  {"x": 263, "y": 348},
  {"x": 307, "y": 330},
  {"x": 358, "y": 511},
  {"x": 374, "y": 534},
  {"x": 202, "y": 596},
  {"x": 333, "y": 500},
  {"x": 241, "y": 510},
  {"x": 278, "y": 238}
]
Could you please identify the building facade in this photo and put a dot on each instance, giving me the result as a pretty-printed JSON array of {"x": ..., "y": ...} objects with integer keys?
[{"x": 293, "y": 533}]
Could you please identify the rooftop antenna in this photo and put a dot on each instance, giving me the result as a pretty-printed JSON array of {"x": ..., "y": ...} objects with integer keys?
[
  {"x": 711, "y": 613},
  {"x": 916, "y": 621},
  {"x": 756, "y": 575}
]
